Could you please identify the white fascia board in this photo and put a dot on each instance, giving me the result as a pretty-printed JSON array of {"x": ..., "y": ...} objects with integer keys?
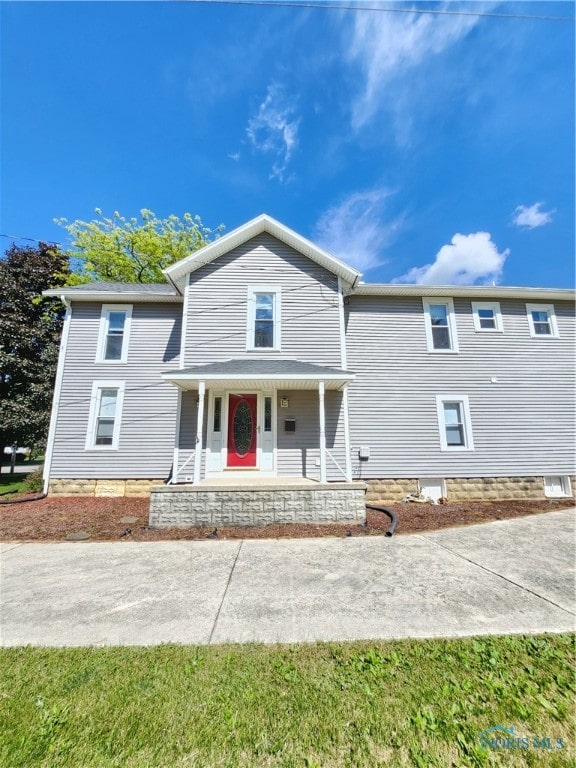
[
  {"x": 239, "y": 236},
  {"x": 108, "y": 296},
  {"x": 466, "y": 291},
  {"x": 252, "y": 376}
]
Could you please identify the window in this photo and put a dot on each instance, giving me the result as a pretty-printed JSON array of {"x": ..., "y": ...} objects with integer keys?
[
  {"x": 557, "y": 487},
  {"x": 217, "y": 425},
  {"x": 454, "y": 423},
  {"x": 105, "y": 412},
  {"x": 114, "y": 332},
  {"x": 542, "y": 320},
  {"x": 487, "y": 316},
  {"x": 267, "y": 414},
  {"x": 263, "y": 318},
  {"x": 440, "y": 325}
]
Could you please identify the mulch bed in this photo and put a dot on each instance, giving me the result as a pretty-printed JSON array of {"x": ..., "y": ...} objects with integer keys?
[{"x": 51, "y": 519}]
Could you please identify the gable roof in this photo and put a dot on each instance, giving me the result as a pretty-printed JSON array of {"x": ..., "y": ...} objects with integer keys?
[{"x": 176, "y": 273}]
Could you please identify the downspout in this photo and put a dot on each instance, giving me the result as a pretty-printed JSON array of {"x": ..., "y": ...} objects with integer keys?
[{"x": 57, "y": 393}]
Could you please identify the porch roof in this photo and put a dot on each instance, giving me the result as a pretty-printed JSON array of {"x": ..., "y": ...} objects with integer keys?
[{"x": 259, "y": 374}]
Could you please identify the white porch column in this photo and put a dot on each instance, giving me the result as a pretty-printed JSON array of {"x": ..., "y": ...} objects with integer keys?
[
  {"x": 347, "y": 434},
  {"x": 176, "y": 457},
  {"x": 200, "y": 421},
  {"x": 322, "y": 432}
]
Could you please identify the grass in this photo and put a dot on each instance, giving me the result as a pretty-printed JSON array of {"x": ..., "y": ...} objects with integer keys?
[
  {"x": 356, "y": 705},
  {"x": 12, "y": 483}
]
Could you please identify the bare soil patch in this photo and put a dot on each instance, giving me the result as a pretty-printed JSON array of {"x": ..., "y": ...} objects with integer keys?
[{"x": 52, "y": 519}]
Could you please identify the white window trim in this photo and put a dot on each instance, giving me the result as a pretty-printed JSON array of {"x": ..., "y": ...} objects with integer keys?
[
  {"x": 564, "y": 482},
  {"x": 495, "y": 307},
  {"x": 426, "y": 302},
  {"x": 551, "y": 316},
  {"x": 465, "y": 406},
  {"x": 103, "y": 332},
  {"x": 97, "y": 387},
  {"x": 251, "y": 320}
]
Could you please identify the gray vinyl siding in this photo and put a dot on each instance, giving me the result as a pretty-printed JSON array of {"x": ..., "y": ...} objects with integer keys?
[
  {"x": 298, "y": 451},
  {"x": 218, "y": 308},
  {"x": 149, "y": 412},
  {"x": 522, "y": 425}
]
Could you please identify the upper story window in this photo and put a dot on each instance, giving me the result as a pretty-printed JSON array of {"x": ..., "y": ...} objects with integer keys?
[
  {"x": 487, "y": 316},
  {"x": 263, "y": 318},
  {"x": 105, "y": 412},
  {"x": 440, "y": 325},
  {"x": 114, "y": 333},
  {"x": 454, "y": 422},
  {"x": 542, "y": 320}
]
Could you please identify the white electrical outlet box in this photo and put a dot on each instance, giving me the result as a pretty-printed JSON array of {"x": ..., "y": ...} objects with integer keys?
[
  {"x": 364, "y": 453},
  {"x": 188, "y": 478}
]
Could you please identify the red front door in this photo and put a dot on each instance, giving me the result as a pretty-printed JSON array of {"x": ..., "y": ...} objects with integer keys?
[{"x": 242, "y": 431}]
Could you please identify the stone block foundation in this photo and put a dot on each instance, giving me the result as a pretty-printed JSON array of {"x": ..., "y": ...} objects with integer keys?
[
  {"x": 388, "y": 491},
  {"x": 379, "y": 491},
  {"x": 131, "y": 488},
  {"x": 181, "y": 506}
]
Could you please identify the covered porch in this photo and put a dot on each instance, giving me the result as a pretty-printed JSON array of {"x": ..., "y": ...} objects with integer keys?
[{"x": 253, "y": 420}]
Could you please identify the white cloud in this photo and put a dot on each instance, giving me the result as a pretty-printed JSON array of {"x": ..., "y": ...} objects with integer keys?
[
  {"x": 387, "y": 44},
  {"x": 234, "y": 156},
  {"x": 274, "y": 129},
  {"x": 531, "y": 216},
  {"x": 355, "y": 231},
  {"x": 469, "y": 259}
]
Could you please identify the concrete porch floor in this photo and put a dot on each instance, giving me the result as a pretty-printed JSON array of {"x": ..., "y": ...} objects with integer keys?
[{"x": 256, "y": 481}]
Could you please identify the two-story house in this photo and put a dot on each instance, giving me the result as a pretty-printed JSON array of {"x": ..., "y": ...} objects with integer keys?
[{"x": 265, "y": 361}]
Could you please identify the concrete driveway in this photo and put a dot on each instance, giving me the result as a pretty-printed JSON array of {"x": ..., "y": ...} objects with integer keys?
[{"x": 514, "y": 576}]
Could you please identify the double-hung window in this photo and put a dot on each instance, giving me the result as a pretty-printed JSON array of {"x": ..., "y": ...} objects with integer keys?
[
  {"x": 454, "y": 423},
  {"x": 263, "y": 318},
  {"x": 114, "y": 333},
  {"x": 487, "y": 316},
  {"x": 440, "y": 325},
  {"x": 105, "y": 415},
  {"x": 542, "y": 320}
]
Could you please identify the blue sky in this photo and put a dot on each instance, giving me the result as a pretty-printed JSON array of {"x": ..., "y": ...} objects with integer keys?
[{"x": 434, "y": 148}]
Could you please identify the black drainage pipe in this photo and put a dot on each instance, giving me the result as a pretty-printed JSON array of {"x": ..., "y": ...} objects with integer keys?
[
  {"x": 23, "y": 501},
  {"x": 391, "y": 515}
]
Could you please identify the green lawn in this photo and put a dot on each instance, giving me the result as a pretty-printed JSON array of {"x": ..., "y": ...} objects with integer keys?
[
  {"x": 408, "y": 703},
  {"x": 10, "y": 482}
]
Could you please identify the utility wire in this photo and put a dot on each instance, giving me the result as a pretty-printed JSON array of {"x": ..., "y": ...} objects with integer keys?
[
  {"x": 332, "y": 6},
  {"x": 31, "y": 239},
  {"x": 70, "y": 250}
]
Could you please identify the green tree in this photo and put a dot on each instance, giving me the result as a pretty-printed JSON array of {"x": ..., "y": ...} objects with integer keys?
[
  {"x": 30, "y": 327},
  {"x": 132, "y": 250}
]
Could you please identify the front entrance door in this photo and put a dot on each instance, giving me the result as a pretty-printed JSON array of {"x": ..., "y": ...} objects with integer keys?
[{"x": 242, "y": 430}]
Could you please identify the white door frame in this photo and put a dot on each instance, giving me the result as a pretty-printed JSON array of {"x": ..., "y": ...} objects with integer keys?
[{"x": 212, "y": 460}]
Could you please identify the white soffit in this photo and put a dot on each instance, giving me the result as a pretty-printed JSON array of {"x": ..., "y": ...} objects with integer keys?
[{"x": 264, "y": 223}]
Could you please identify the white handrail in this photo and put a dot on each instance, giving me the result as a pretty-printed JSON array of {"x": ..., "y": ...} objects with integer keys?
[
  {"x": 335, "y": 462},
  {"x": 174, "y": 479}
]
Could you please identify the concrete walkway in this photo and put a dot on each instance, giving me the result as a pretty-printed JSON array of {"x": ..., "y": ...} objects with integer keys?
[{"x": 512, "y": 576}]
